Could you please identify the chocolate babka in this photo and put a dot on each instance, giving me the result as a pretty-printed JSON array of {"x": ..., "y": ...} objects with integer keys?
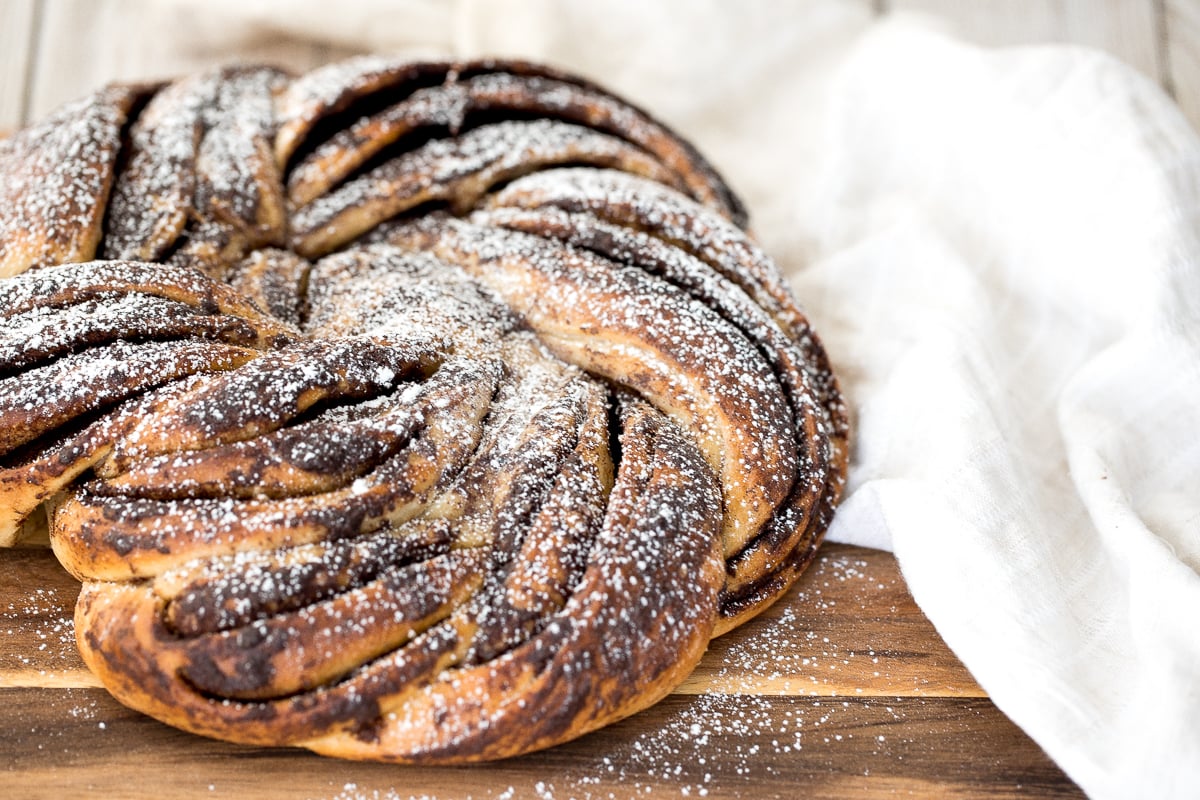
[{"x": 418, "y": 412}]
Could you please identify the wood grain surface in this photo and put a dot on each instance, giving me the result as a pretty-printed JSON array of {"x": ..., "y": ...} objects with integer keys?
[
  {"x": 843, "y": 689},
  {"x": 16, "y": 35},
  {"x": 1181, "y": 51},
  {"x": 1127, "y": 29}
]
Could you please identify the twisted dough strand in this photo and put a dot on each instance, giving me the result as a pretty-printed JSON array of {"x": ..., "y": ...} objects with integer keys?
[{"x": 418, "y": 412}]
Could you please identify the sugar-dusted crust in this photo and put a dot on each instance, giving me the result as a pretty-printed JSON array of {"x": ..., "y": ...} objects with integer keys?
[{"x": 416, "y": 412}]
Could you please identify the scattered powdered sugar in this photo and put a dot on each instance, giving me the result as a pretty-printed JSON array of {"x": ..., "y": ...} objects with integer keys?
[
  {"x": 459, "y": 171},
  {"x": 200, "y": 155},
  {"x": 714, "y": 745},
  {"x": 56, "y": 179},
  {"x": 451, "y": 104},
  {"x": 47, "y": 396},
  {"x": 807, "y": 645},
  {"x": 644, "y": 333},
  {"x": 332, "y": 87},
  {"x": 153, "y": 195},
  {"x": 629, "y": 200},
  {"x": 474, "y": 390},
  {"x": 44, "y": 618}
]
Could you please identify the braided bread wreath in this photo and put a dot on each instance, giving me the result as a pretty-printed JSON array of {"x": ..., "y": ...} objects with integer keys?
[{"x": 417, "y": 412}]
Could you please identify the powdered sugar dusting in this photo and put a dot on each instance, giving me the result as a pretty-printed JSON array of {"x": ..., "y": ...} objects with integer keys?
[
  {"x": 56, "y": 181},
  {"x": 499, "y": 476},
  {"x": 458, "y": 171},
  {"x": 603, "y": 318},
  {"x": 451, "y": 104},
  {"x": 52, "y": 634}
]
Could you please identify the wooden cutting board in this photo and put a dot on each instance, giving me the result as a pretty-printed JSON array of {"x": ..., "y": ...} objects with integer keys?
[{"x": 843, "y": 689}]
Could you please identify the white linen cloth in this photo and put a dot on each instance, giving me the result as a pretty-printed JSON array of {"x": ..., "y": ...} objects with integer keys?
[
  {"x": 1009, "y": 255},
  {"x": 1001, "y": 250}
]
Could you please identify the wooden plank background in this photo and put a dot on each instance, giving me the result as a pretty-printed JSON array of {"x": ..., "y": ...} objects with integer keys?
[
  {"x": 842, "y": 689},
  {"x": 54, "y": 50},
  {"x": 17, "y": 33}
]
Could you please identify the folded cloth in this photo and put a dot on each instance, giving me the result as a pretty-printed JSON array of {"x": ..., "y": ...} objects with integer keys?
[
  {"x": 1008, "y": 269},
  {"x": 1001, "y": 250}
]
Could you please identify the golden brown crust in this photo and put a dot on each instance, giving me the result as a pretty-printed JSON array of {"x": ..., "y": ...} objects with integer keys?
[
  {"x": 57, "y": 178},
  {"x": 445, "y": 414},
  {"x": 408, "y": 706}
]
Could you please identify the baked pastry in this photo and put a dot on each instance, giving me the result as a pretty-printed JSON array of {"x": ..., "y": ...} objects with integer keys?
[{"x": 419, "y": 412}]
